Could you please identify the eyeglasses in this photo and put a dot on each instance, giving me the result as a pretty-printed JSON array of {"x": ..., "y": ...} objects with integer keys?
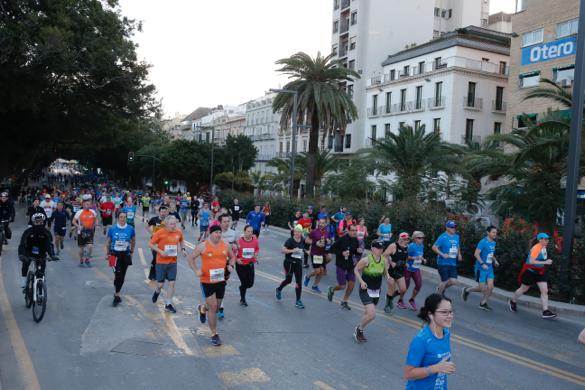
[
  {"x": 418, "y": 238},
  {"x": 446, "y": 312}
]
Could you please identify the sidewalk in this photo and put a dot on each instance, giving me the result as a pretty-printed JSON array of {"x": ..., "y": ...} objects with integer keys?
[{"x": 498, "y": 293}]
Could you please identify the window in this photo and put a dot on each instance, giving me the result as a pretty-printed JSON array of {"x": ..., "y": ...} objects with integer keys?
[
  {"x": 532, "y": 37},
  {"x": 401, "y": 125},
  {"x": 437, "y": 63},
  {"x": 406, "y": 71},
  {"x": 352, "y": 42},
  {"x": 417, "y": 124},
  {"x": 418, "y": 103},
  {"x": 387, "y": 130},
  {"x": 375, "y": 105},
  {"x": 436, "y": 34},
  {"x": 497, "y": 128},
  {"x": 350, "y": 90},
  {"x": 437, "y": 11},
  {"x": 528, "y": 80},
  {"x": 207, "y": 137},
  {"x": 499, "y": 98},
  {"x": 393, "y": 74},
  {"x": 373, "y": 132},
  {"x": 304, "y": 145},
  {"x": 335, "y": 4},
  {"x": 403, "y": 100},
  {"x": 471, "y": 94},
  {"x": 438, "y": 94},
  {"x": 330, "y": 142},
  {"x": 351, "y": 65},
  {"x": 469, "y": 130},
  {"x": 485, "y": 59},
  {"x": 484, "y": 23},
  {"x": 421, "y": 67},
  {"x": 353, "y": 18},
  {"x": 348, "y": 141},
  {"x": 564, "y": 75},
  {"x": 336, "y": 26},
  {"x": 334, "y": 49},
  {"x": 569, "y": 27},
  {"x": 437, "y": 125},
  {"x": 388, "y": 101},
  {"x": 450, "y": 14},
  {"x": 525, "y": 120},
  {"x": 287, "y": 146},
  {"x": 503, "y": 67}
]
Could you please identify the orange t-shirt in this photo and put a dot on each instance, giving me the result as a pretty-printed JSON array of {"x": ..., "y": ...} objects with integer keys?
[
  {"x": 169, "y": 243},
  {"x": 86, "y": 218},
  {"x": 213, "y": 262}
]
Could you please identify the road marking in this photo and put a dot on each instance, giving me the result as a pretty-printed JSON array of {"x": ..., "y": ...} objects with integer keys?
[
  {"x": 25, "y": 364},
  {"x": 323, "y": 385},
  {"x": 141, "y": 255},
  {"x": 246, "y": 376},
  {"x": 223, "y": 351}
]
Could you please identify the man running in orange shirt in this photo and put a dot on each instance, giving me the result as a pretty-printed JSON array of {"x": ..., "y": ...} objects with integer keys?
[{"x": 85, "y": 220}]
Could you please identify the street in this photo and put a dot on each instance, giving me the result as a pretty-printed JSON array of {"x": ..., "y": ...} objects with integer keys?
[{"x": 85, "y": 343}]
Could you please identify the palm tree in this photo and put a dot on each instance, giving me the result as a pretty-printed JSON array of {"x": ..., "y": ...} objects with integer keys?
[
  {"x": 282, "y": 166},
  {"x": 350, "y": 180},
  {"x": 322, "y": 102},
  {"x": 325, "y": 162},
  {"x": 259, "y": 181},
  {"x": 411, "y": 154}
]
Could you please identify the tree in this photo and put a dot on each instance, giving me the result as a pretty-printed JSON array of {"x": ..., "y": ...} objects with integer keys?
[
  {"x": 350, "y": 181},
  {"x": 282, "y": 166},
  {"x": 325, "y": 162},
  {"x": 322, "y": 102},
  {"x": 240, "y": 151},
  {"x": 260, "y": 182}
]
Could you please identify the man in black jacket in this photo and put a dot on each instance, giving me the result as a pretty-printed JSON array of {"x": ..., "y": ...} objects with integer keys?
[
  {"x": 347, "y": 251},
  {"x": 36, "y": 242},
  {"x": 6, "y": 215}
]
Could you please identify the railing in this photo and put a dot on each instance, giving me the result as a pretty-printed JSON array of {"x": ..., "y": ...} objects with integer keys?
[
  {"x": 472, "y": 103},
  {"x": 376, "y": 80},
  {"x": 499, "y": 106},
  {"x": 265, "y": 157},
  {"x": 436, "y": 102},
  {"x": 283, "y": 154},
  {"x": 375, "y": 111},
  {"x": 343, "y": 52}
]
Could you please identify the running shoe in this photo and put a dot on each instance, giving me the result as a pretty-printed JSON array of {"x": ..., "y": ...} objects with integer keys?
[
  {"x": 388, "y": 308},
  {"x": 87, "y": 263},
  {"x": 305, "y": 265},
  {"x": 316, "y": 289},
  {"x": 278, "y": 294},
  {"x": 155, "y": 295},
  {"x": 202, "y": 313},
  {"x": 299, "y": 304},
  {"x": 465, "y": 294},
  {"x": 306, "y": 281},
  {"x": 484, "y": 306},
  {"x": 215, "y": 340},
  {"x": 116, "y": 301},
  {"x": 345, "y": 305},
  {"x": 220, "y": 314},
  {"x": 170, "y": 308},
  {"x": 412, "y": 304},
  {"x": 330, "y": 292},
  {"x": 358, "y": 335},
  {"x": 401, "y": 305},
  {"x": 512, "y": 306},
  {"x": 548, "y": 314},
  {"x": 243, "y": 303}
]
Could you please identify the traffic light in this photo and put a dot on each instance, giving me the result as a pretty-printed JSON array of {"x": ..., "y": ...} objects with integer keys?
[{"x": 130, "y": 156}]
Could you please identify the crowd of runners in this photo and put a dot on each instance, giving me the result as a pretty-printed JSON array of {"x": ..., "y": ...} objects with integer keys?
[{"x": 390, "y": 262}]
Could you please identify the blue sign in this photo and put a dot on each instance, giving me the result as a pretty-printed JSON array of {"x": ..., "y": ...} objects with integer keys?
[{"x": 549, "y": 51}]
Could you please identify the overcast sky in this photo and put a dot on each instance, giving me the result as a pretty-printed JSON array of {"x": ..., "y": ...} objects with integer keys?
[{"x": 205, "y": 53}]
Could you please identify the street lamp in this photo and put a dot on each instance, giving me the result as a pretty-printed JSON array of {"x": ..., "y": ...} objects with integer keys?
[
  {"x": 199, "y": 127},
  {"x": 294, "y": 135}
]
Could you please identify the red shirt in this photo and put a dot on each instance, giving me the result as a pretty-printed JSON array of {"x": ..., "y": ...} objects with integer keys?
[
  {"x": 306, "y": 223},
  {"x": 215, "y": 206},
  {"x": 247, "y": 250},
  {"x": 108, "y": 209}
]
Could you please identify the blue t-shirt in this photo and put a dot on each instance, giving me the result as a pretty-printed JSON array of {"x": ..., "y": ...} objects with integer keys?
[
  {"x": 204, "y": 217},
  {"x": 322, "y": 215},
  {"x": 425, "y": 350},
  {"x": 255, "y": 219},
  {"x": 487, "y": 249},
  {"x": 121, "y": 238},
  {"x": 414, "y": 250},
  {"x": 184, "y": 205},
  {"x": 60, "y": 218},
  {"x": 130, "y": 213},
  {"x": 449, "y": 245},
  {"x": 386, "y": 231},
  {"x": 339, "y": 216}
]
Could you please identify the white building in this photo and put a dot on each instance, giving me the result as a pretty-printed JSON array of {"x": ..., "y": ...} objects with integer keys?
[
  {"x": 454, "y": 84},
  {"x": 211, "y": 125},
  {"x": 262, "y": 126},
  {"x": 365, "y": 31}
]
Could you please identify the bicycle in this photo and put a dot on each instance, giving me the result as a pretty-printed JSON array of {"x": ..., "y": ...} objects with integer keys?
[{"x": 35, "y": 290}]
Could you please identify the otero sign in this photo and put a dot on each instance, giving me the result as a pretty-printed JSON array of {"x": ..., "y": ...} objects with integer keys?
[{"x": 549, "y": 51}]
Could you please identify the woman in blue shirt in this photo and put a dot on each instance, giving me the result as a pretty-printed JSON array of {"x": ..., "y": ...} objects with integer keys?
[
  {"x": 130, "y": 210},
  {"x": 429, "y": 355},
  {"x": 384, "y": 232},
  {"x": 120, "y": 243}
]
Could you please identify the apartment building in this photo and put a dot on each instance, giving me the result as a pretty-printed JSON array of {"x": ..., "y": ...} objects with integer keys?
[
  {"x": 365, "y": 31},
  {"x": 263, "y": 127},
  {"x": 454, "y": 85},
  {"x": 544, "y": 46},
  {"x": 211, "y": 127}
]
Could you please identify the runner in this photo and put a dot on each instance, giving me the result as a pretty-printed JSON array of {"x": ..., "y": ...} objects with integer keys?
[
  {"x": 154, "y": 225},
  {"x": 85, "y": 221},
  {"x": 215, "y": 206},
  {"x": 166, "y": 243},
  {"x": 294, "y": 221},
  {"x": 60, "y": 217},
  {"x": 204, "y": 217},
  {"x": 429, "y": 356},
  {"x": 484, "y": 268},
  {"x": 345, "y": 223},
  {"x": 48, "y": 205},
  {"x": 397, "y": 254},
  {"x": 368, "y": 272},
  {"x": 255, "y": 219},
  {"x": 362, "y": 232},
  {"x": 339, "y": 216},
  {"x": 323, "y": 213},
  {"x": 235, "y": 211},
  {"x": 194, "y": 210},
  {"x": 448, "y": 250},
  {"x": 293, "y": 254},
  {"x": 120, "y": 244},
  {"x": 229, "y": 237},
  {"x": 107, "y": 210},
  {"x": 412, "y": 271},
  {"x": 307, "y": 224},
  {"x": 267, "y": 210},
  {"x": 248, "y": 250},
  {"x": 534, "y": 272},
  {"x": 384, "y": 231},
  {"x": 318, "y": 239},
  {"x": 32, "y": 210},
  {"x": 347, "y": 250},
  {"x": 215, "y": 254},
  {"x": 145, "y": 200},
  {"x": 130, "y": 209},
  {"x": 184, "y": 205}
]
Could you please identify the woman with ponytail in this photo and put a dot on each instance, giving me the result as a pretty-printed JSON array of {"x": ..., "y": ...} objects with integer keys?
[{"x": 429, "y": 355}]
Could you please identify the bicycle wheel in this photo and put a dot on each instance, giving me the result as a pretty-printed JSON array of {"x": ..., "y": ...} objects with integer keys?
[
  {"x": 28, "y": 290},
  {"x": 40, "y": 304}
]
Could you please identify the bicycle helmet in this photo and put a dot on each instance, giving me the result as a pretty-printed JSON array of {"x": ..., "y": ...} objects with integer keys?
[
  {"x": 86, "y": 197},
  {"x": 38, "y": 218}
]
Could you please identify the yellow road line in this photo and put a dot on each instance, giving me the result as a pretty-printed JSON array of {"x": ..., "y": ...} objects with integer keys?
[{"x": 25, "y": 364}]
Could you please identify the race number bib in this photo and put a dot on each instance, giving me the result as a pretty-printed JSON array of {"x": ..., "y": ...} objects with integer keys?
[
  {"x": 248, "y": 253},
  {"x": 297, "y": 254},
  {"x": 317, "y": 259},
  {"x": 417, "y": 262},
  {"x": 130, "y": 214},
  {"x": 236, "y": 208},
  {"x": 374, "y": 293},
  {"x": 120, "y": 245},
  {"x": 217, "y": 275},
  {"x": 490, "y": 258},
  {"x": 386, "y": 237},
  {"x": 108, "y": 212},
  {"x": 171, "y": 250},
  {"x": 35, "y": 250},
  {"x": 544, "y": 254},
  {"x": 453, "y": 252}
]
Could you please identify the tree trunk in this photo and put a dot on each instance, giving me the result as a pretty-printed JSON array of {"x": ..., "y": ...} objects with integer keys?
[{"x": 312, "y": 154}]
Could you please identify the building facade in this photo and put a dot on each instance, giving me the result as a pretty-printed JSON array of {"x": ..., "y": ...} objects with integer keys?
[
  {"x": 365, "y": 31},
  {"x": 454, "y": 85},
  {"x": 544, "y": 46},
  {"x": 262, "y": 126}
]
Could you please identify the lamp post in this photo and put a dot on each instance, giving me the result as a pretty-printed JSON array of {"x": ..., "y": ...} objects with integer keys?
[
  {"x": 294, "y": 135},
  {"x": 574, "y": 153},
  {"x": 199, "y": 127}
]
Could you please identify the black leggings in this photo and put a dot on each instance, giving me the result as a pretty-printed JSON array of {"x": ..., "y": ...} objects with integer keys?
[
  {"x": 266, "y": 220},
  {"x": 120, "y": 270},
  {"x": 291, "y": 268},
  {"x": 152, "y": 272},
  {"x": 26, "y": 264},
  {"x": 246, "y": 275}
]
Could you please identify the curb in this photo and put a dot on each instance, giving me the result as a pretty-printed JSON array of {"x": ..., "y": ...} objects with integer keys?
[{"x": 498, "y": 293}]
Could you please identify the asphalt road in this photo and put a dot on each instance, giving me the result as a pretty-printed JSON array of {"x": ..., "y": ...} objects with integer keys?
[{"x": 85, "y": 343}]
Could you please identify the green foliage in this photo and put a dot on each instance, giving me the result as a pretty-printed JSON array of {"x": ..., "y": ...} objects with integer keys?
[
  {"x": 239, "y": 181},
  {"x": 350, "y": 181},
  {"x": 240, "y": 152}
]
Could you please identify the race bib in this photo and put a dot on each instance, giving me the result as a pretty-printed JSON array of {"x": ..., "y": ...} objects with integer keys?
[
  {"x": 120, "y": 245},
  {"x": 217, "y": 275},
  {"x": 361, "y": 235},
  {"x": 453, "y": 252},
  {"x": 171, "y": 250},
  {"x": 130, "y": 214},
  {"x": 544, "y": 254},
  {"x": 490, "y": 258},
  {"x": 386, "y": 237},
  {"x": 236, "y": 208},
  {"x": 417, "y": 262},
  {"x": 297, "y": 254},
  {"x": 108, "y": 212},
  {"x": 35, "y": 250},
  {"x": 374, "y": 293},
  {"x": 248, "y": 253},
  {"x": 75, "y": 209},
  {"x": 317, "y": 259}
]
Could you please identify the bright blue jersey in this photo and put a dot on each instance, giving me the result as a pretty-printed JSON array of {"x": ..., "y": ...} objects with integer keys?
[
  {"x": 449, "y": 245},
  {"x": 386, "y": 231},
  {"x": 425, "y": 350},
  {"x": 121, "y": 238},
  {"x": 130, "y": 213},
  {"x": 184, "y": 205},
  {"x": 255, "y": 219},
  {"x": 487, "y": 249},
  {"x": 204, "y": 217},
  {"x": 415, "y": 250}
]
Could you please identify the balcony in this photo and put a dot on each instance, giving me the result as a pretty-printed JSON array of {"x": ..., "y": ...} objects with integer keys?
[
  {"x": 283, "y": 154},
  {"x": 265, "y": 157},
  {"x": 376, "y": 80},
  {"x": 499, "y": 107},
  {"x": 344, "y": 29},
  {"x": 472, "y": 103},
  {"x": 375, "y": 111},
  {"x": 436, "y": 103}
]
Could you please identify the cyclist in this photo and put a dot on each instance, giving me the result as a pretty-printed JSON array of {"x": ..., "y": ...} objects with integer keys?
[
  {"x": 32, "y": 210},
  {"x": 36, "y": 242},
  {"x": 120, "y": 243},
  {"x": 85, "y": 220},
  {"x": 6, "y": 215},
  {"x": 60, "y": 217}
]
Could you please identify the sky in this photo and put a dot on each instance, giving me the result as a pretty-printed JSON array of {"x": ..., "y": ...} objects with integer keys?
[{"x": 211, "y": 52}]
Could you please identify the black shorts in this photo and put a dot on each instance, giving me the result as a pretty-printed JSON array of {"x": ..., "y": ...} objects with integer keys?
[
  {"x": 529, "y": 278},
  {"x": 322, "y": 265},
  {"x": 396, "y": 272},
  {"x": 208, "y": 289},
  {"x": 85, "y": 237},
  {"x": 107, "y": 220},
  {"x": 256, "y": 232},
  {"x": 60, "y": 230},
  {"x": 367, "y": 299}
]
